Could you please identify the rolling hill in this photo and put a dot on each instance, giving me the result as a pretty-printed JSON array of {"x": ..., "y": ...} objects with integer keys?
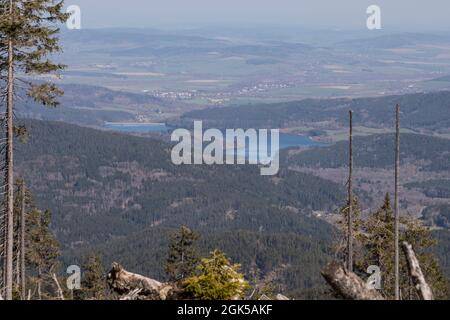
[
  {"x": 429, "y": 111},
  {"x": 91, "y": 105}
]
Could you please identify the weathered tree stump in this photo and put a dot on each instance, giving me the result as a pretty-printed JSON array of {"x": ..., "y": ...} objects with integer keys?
[
  {"x": 137, "y": 287},
  {"x": 348, "y": 284}
]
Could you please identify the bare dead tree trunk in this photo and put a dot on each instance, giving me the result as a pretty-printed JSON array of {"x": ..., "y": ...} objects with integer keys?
[
  {"x": 3, "y": 253},
  {"x": 396, "y": 203},
  {"x": 58, "y": 287},
  {"x": 421, "y": 285},
  {"x": 350, "y": 198},
  {"x": 23, "y": 288},
  {"x": 348, "y": 284},
  {"x": 39, "y": 284},
  {"x": 9, "y": 183},
  {"x": 17, "y": 271}
]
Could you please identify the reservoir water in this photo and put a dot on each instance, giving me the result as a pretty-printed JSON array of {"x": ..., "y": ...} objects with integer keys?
[
  {"x": 136, "y": 127},
  {"x": 286, "y": 140}
]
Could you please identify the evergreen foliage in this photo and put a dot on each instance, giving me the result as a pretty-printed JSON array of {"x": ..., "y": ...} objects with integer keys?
[
  {"x": 182, "y": 256},
  {"x": 42, "y": 254},
  {"x": 377, "y": 241},
  {"x": 93, "y": 284},
  {"x": 216, "y": 279}
]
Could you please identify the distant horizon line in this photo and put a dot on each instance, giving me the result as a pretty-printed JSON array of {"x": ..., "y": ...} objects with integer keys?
[{"x": 389, "y": 29}]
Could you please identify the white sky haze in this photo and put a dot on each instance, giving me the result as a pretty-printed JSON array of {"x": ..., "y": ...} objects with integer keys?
[{"x": 403, "y": 14}]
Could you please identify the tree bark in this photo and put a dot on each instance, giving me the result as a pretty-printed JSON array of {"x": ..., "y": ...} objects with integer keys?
[
  {"x": 23, "y": 287},
  {"x": 9, "y": 210},
  {"x": 39, "y": 284},
  {"x": 17, "y": 271},
  {"x": 396, "y": 204},
  {"x": 421, "y": 285},
  {"x": 348, "y": 284},
  {"x": 350, "y": 198},
  {"x": 137, "y": 286}
]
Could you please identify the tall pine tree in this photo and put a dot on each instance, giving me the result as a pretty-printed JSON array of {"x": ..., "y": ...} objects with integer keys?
[
  {"x": 28, "y": 35},
  {"x": 182, "y": 256},
  {"x": 42, "y": 253},
  {"x": 94, "y": 285}
]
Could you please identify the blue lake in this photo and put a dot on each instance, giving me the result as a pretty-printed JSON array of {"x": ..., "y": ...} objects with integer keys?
[
  {"x": 136, "y": 127},
  {"x": 293, "y": 140},
  {"x": 286, "y": 140}
]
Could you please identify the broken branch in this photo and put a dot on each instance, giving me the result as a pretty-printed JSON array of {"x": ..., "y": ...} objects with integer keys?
[{"x": 416, "y": 273}]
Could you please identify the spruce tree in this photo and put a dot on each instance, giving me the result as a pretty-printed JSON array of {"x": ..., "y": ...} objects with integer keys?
[
  {"x": 42, "y": 253},
  {"x": 182, "y": 256},
  {"x": 216, "y": 279},
  {"x": 28, "y": 35},
  {"x": 377, "y": 240},
  {"x": 94, "y": 284}
]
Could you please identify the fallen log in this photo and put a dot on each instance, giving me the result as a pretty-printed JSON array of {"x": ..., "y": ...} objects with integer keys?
[
  {"x": 136, "y": 286},
  {"x": 348, "y": 284},
  {"x": 421, "y": 285},
  {"x": 133, "y": 295}
]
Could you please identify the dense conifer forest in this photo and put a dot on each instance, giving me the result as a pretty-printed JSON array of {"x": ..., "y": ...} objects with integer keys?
[{"x": 124, "y": 203}]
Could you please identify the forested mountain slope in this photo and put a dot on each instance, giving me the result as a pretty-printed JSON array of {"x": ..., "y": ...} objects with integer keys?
[
  {"x": 421, "y": 110},
  {"x": 122, "y": 195},
  {"x": 376, "y": 151},
  {"x": 424, "y": 172}
]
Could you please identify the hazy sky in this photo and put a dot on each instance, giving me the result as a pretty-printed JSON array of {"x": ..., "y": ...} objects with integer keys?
[{"x": 401, "y": 14}]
